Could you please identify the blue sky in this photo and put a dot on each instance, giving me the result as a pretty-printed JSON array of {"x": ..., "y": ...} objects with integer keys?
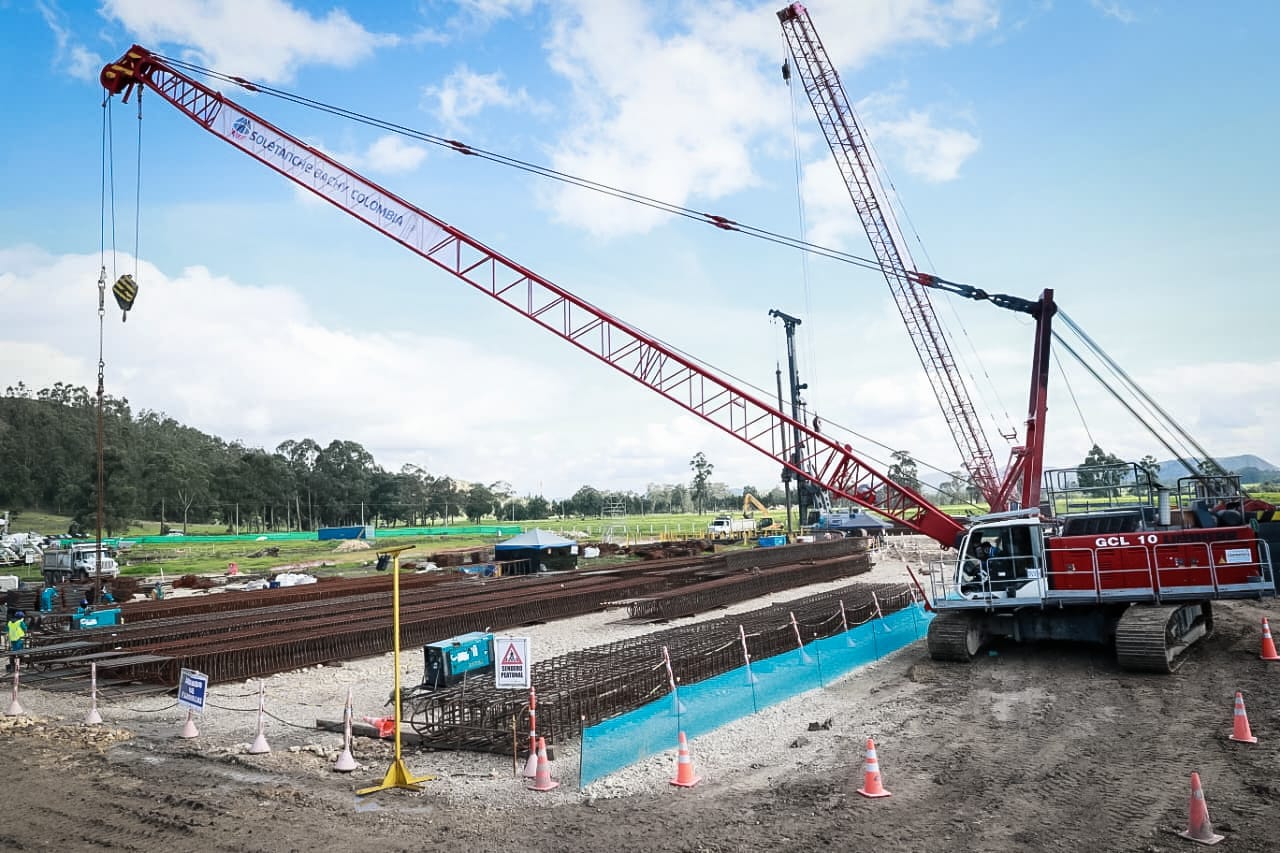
[{"x": 1118, "y": 151}]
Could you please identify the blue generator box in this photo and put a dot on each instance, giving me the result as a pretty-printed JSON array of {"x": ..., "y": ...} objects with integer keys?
[{"x": 449, "y": 661}]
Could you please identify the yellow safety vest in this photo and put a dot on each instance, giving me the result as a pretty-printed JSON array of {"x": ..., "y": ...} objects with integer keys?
[{"x": 16, "y": 631}]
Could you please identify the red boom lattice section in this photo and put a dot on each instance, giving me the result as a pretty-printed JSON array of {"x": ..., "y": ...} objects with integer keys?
[
  {"x": 626, "y": 349},
  {"x": 853, "y": 158}
]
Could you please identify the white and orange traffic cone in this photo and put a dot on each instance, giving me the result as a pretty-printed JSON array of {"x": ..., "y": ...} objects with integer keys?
[
  {"x": 1268, "y": 644},
  {"x": 93, "y": 718},
  {"x": 531, "y": 765},
  {"x": 685, "y": 777},
  {"x": 260, "y": 745},
  {"x": 871, "y": 785},
  {"x": 1198, "y": 826},
  {"x": 543, "y": 781},
  {"x": 1240, "y": 722},
  {"x": 346, "y": 762},
  {"x": 15, "y": 709},
  {"x": 189, "y": 729}
]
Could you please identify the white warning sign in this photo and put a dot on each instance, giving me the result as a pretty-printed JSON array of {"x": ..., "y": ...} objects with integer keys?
[{"x": 514, "y": 667}]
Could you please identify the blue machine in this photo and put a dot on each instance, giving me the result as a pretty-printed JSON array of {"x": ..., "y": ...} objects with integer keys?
[
  {"x": 449, "y": 661},
  {"x": 98, "y": 618}
]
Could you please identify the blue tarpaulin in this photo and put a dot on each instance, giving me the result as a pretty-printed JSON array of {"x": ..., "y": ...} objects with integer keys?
[{"x": 707, "y": 705}]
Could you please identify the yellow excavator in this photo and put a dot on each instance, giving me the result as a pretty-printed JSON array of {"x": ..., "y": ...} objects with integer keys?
[{"x": 764, "y": 525}]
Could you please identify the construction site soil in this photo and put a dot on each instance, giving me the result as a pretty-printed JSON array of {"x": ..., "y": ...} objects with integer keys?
[{"x": 1031, "y": 748}]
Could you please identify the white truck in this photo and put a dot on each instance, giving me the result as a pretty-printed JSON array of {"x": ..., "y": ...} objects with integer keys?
[
  {"x": 79, "y": 562},
  {"x": 726, "y": 525}
]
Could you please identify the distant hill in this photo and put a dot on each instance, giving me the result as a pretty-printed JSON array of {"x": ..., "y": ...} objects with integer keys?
[{"x": 1252, "y": 469}]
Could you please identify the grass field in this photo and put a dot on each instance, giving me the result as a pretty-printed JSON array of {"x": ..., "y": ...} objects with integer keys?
[{"x": 191, "y": 555}]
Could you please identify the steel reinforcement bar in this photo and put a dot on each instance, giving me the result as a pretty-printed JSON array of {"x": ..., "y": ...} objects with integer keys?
[{"x": 707, "y": 595}]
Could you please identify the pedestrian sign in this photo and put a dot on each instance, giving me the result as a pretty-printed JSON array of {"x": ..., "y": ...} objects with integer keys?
[
  {"x": 192, "y": 687},
  {"x": 514, "y": 667}
]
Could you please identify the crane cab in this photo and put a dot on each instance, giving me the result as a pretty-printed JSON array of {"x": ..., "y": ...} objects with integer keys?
[{"x": 1000, "y": 561}]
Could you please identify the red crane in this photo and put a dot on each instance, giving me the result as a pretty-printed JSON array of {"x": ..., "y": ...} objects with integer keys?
[
  {"x": 848, "y": 143},
  {"x": 1148, "y": 591}
]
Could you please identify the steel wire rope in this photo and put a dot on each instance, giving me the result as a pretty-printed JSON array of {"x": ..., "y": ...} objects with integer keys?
[
  {"x": 170, "y": 706},
  {"x": 803, "y": 221},
  {"x": 883, "y": 463},
  {"x": 822, "y": 251},
  {"x": 137, "y": 196},
  {"x": 462, "y": 148},
  {"x": 1119, "y": 398},
  {"x": 1170, "y": 422},
  {"x": 721, "y": 222},
  {"x": 968, "y": 339},
  {"x": 1071, "y": 391},
  {"x": 1119, "y": 374},
  {"x": 895, "y": 201}
]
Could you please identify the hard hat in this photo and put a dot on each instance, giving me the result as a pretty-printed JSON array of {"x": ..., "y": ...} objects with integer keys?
[
  {"x": 83, "y": 602},
  {"x": 19, "y": 614}
]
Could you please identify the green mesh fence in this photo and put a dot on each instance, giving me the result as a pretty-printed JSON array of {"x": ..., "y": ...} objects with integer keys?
[{"x": 495, "y": 530}]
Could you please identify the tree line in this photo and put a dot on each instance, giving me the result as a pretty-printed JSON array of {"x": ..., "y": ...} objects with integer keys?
[{"x": 157, "y": 468}]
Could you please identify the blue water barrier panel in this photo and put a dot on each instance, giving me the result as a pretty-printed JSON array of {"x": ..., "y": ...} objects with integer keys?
[{"x": 707, "y": 705}]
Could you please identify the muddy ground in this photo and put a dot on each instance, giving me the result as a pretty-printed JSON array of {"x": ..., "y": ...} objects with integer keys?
[{"x": 1038, "y": 748}]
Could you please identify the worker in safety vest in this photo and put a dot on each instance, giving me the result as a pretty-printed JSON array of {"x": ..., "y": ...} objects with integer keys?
[{"x": 17, "y": 633}]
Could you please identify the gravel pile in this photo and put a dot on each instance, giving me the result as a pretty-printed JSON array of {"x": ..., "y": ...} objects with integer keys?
[{"x": 777, "y": 740}]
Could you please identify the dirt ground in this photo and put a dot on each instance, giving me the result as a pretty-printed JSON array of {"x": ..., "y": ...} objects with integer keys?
[{"x": 1036, "y": 748}]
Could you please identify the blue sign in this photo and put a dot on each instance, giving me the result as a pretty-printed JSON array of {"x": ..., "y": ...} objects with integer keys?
[{"x": 192, "y": 687}]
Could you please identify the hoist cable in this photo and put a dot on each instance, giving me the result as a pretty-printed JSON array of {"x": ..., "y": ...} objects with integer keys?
[
  {"x": 721, "y": 222},
  {"x": 137, "y": 194},
  {"x": 1120, "y": 399},
  {"x": 1171, "y": 423},
  {"x": 1071, "y": 391},
  {"x": 804, "y": 225}
]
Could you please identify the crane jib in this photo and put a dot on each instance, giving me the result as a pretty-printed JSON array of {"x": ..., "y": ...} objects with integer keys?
[
  {"x": 319, "y": 174},
  {"x": 685, "y": 382}
]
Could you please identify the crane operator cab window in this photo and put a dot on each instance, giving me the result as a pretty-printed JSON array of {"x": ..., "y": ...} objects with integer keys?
[
  {"x": 998, "y": 562},
  {"x": 975, "y": 571}
]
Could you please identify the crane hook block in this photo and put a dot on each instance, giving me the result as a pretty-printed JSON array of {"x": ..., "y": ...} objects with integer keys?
[{"x": 125, "y": 290}]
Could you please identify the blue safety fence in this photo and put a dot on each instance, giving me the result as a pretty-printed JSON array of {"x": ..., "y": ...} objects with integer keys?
[{"x": 707, "y": 705}]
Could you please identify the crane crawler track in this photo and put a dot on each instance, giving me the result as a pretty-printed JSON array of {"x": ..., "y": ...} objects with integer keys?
[
  {"x": 954, "y": 637},
  {"x": 1157, "y": 638}
]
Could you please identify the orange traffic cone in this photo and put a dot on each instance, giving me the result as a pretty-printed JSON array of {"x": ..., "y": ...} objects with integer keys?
[
  {"x": 543, "y": 781},
  {"x": 871, "y": 786},
  {"x": 386, "y": 726},
  {"x": 1198, "y": 826},
  {"x": 685, "y": 777},
  {"x": 1268, "y": 644},
  {"x": 1240, "y": 722}
]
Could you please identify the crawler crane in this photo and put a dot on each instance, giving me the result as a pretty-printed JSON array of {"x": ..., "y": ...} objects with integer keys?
[{"x": 1124, "y": 574}]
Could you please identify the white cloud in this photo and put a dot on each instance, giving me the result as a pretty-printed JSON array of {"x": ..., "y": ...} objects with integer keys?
[
  {"x": 674, "y": 107},
  {"x": 391, "y": 153},
  {"x": 491, "y": 10},
  {"x": 1112, "y": 9},
  {"x": 253, "y": 364},
  {"x": 72, "y": 57},
  {"x": 465, "y": 93},
  {"x": 263, "y": 40},
  {"x": 933, "y": 153}
]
